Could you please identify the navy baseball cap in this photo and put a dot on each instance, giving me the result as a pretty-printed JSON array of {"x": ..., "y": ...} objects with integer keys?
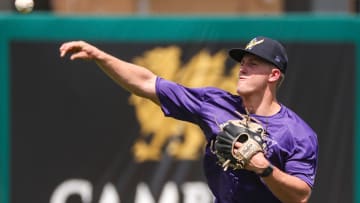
[{"x": 268, "y": 49}]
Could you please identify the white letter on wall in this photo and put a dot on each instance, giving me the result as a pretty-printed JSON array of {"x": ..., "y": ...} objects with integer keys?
[
  {"x": 109, "y": 194},
  {"x": 169, "y": 194},
  {"x": 79, "y": 187},
  {"x": 196, "y": 192}
]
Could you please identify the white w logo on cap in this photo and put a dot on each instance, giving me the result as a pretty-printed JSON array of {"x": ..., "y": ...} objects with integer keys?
[{"x": 253, "y": 43}]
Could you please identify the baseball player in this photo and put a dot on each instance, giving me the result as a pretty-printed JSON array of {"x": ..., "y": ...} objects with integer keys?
[{"x": 281, "y": 170}]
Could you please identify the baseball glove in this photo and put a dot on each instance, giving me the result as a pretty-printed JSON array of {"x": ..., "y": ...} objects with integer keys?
[{"x": 246, "y": 131}]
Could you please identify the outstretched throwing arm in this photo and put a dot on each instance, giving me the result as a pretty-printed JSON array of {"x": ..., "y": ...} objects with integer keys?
[{"x": 133, "y": 78}]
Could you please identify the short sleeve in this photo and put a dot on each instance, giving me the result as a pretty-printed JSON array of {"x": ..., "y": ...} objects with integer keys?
[
  {"x": 178, "y": 101},
  {"x": 302, "y": 163}
]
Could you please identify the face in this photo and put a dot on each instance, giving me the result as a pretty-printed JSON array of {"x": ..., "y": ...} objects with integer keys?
[{"x": 254, "y": 75}]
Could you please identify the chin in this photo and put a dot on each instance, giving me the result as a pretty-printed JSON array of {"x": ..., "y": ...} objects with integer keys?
[{"x": 242, "y": 92}]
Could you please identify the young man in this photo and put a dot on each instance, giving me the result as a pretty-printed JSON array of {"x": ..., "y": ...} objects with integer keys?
[{"x": 290, "y": 161}]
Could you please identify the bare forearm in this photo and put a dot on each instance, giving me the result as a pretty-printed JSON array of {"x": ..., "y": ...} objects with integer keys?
[
  {"x": 134, "y": 78},
  {"x": 289, "y": 189}
]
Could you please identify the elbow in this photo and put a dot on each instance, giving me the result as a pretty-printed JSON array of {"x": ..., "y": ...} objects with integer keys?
[
  {"x": 304, "y": 197},
  {"x": 307, "y": 195},
  {"x": 299, "y": 200},
  {"x": 146, "y": 89},
  {"x": 304, "y": 200},
  {"x": 300, "y": 197}
]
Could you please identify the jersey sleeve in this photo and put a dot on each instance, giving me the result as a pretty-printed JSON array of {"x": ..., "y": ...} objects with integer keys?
[
  {"x": 178, "y": 101},
  {"x": 302, "y": 162}
]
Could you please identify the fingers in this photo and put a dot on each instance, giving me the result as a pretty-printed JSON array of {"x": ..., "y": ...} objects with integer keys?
[
  {"x": 258, "y": 163},
  {"x": 237, "y": 144},
  {"x": 73, "y": 46},
  {"x": 65, "y": 47}
]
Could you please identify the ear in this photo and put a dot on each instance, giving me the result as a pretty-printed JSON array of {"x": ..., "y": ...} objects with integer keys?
[{"x": 274, "y": 75}]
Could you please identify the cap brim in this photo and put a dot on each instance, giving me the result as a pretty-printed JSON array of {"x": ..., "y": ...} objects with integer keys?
[{"x": 238, "y": 53}]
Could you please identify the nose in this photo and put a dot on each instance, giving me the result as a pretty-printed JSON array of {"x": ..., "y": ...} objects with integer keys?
[{"x": 242, "y": 70}]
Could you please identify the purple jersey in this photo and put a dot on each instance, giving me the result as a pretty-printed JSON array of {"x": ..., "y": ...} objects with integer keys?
[{"x": 292, "y": 144}]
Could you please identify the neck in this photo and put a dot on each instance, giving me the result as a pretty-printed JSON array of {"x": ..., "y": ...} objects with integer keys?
[{"x": 264, "y": 105}]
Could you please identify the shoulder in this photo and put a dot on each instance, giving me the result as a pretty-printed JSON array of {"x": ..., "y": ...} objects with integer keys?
[
  {"x": 298, "y": 130},
  {"x": 295, "y": 122},
  {"x": 205, "y": 93}
]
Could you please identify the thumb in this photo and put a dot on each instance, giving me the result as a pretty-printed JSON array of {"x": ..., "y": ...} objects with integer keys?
[{"x": 79, "y": 55}]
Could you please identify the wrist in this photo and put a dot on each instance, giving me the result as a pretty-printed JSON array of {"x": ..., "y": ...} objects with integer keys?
[{"x": 267, "y": 171}]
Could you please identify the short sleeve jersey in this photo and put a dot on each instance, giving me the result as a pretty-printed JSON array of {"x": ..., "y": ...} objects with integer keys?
[{"x": 292, "y": 145}]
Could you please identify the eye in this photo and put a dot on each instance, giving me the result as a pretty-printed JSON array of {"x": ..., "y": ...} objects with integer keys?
[{"x": 253, "y": 64}]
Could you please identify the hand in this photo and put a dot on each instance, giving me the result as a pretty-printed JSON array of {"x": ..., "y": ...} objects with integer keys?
[
  {"x": 79, "y": 50},
  {"x": 258, "y": 163}
]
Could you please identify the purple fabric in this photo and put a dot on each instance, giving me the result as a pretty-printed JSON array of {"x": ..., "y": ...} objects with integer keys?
[{"x": 292, "y": 144}]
